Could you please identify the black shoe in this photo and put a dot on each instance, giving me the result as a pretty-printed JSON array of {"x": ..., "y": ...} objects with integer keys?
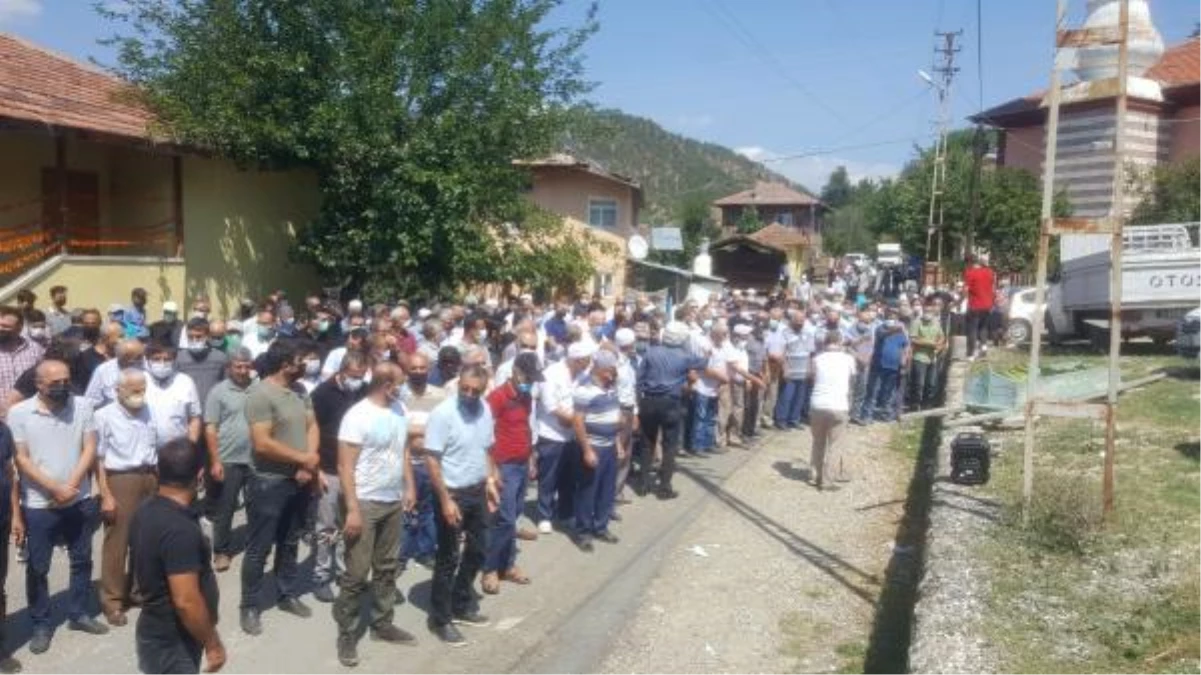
[
  {"x": 607, "y": 537},
  {"x": 668, "y": 493},
  {"x": 39, "y": 642},
  {"x": 251, "y": 623},
  {"x": 348, "y": 653},
  {"x": 387, "y": 632},
  {"x": 449, "y": 634},
  {"x": 9, "y": 665},
  {"x": 86, "y": 624},
  {"x": 325, "y": 593},
  {"x": 582, "y": 542},
  {"x": 295, "y": 606},
  {"x": 472, "y": 618}
]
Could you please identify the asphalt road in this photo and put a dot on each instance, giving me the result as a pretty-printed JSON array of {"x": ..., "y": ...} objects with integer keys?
[{"x": 563, "y": 622}]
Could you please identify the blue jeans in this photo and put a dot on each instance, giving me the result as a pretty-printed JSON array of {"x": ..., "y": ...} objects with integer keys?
[
  {"x": 75, "y": 523},
  {"x": 502, "y": 535},
  {"x": 880, "y": 403},
  {"x": 420, "y": 538},
  {"x": 858, "y": 391},
  {"x": 595, "y": 492},
  {"x": 704, "y": 425},
  {"x": 791, "y": 403},
  {"x": 556, "y": 478}
]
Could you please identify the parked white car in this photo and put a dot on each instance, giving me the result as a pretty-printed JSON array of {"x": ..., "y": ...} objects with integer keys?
[
  {"x": 1188, "y": 335},
  {"x": 1022, "y": 311}
]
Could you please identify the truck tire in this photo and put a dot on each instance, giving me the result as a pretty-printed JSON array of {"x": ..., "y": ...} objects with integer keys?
[
  {"x": 1019, "y": 331},
  {"x": 1098, "y": 338}
]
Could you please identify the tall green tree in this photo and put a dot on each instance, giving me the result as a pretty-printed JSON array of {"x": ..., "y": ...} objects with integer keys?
[
  {"x": 410, "y": 113},
  {"x": 1170, "y": 194},
  {"x": 749, "y": 221},
  {"x": 838, "y": 189}
]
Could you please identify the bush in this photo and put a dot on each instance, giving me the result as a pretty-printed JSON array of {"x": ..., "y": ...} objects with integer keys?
[{"x": 1065, "y": 514}]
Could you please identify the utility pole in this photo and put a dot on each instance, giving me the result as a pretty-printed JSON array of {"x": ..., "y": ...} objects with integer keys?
[{"x": 945, "y": 50}]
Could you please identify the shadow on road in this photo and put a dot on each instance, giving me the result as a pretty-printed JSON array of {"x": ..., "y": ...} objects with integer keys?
[
  {"x": 852, "y": 578},
  {"x": 892, "y": 630}
]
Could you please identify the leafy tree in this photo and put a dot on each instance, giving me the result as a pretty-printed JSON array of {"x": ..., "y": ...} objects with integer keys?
[
  {"x": 1010, "y": 204},
  {"x": 410, "y": 114},
  {"x": 749, "y": 221},
  {"x": 838, "y": 189},
  {"x": 1170, "y": 194}
]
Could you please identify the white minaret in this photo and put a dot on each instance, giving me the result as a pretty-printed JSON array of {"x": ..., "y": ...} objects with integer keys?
[{"x": 1085, "y": 161}]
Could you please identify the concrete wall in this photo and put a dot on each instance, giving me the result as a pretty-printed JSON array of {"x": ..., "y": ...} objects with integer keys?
[
  {"x": 238, "y": 229},
  {"x": 566, "y": 191},
  {"x": 98, "y": 281}
]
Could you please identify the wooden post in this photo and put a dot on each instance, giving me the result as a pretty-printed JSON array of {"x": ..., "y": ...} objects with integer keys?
[
  {"x": 177, "y": 202},
  {"x": 60, "y": 179}
]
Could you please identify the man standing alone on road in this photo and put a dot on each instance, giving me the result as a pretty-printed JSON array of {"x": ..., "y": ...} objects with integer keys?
[
  {"x": 833, "y": 372},
  {"x": 283, "y": 434},
  {"x": 457, "y": 439},
  {"x": 172, "y": 571},
  {"x": 377, "y": 487},
  {"x": 981, "y": 293}
]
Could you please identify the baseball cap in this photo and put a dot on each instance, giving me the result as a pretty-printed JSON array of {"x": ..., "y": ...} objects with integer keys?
[{"x": 527, "y": 364}]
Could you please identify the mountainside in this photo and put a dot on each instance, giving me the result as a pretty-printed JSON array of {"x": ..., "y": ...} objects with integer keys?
[{"x": 675, "y": 171}]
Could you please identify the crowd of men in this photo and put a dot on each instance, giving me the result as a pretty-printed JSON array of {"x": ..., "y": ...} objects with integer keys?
[{"x": 394, "y": 436}]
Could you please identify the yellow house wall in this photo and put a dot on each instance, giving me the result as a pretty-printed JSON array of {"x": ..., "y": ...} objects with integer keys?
[
  {"x": 238, "y": 229},
  {"x": 611, "y": 261},
  {"x": 140, "y": 197},
  {"x": 97, "y": 282}
]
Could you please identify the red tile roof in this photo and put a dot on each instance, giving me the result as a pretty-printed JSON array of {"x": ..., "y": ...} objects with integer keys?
[
  {"x": 37, "y": 85},
  {"x": 1179, "y": 65},
  {"x": 767, "y": 194},
  {"x": 781, "y": 236}
]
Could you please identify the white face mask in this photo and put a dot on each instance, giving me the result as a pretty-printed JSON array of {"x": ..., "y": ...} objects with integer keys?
[
  {"x": 312, "y": 367},
  {"x": 352, "y": 384},
  {"x": 37, "y": 333},
  {"x": 481, "y": 334},
  {"x": 161, "y": 370}
]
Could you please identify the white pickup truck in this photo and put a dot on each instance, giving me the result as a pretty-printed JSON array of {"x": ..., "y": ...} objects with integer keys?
[{"x": 1161, "y": 282}]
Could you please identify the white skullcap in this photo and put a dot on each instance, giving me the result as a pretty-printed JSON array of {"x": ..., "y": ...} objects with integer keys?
[
  {"x": 170, "y": 306},
  {"x": 675, "y": 333},
  {"x": 423, "y": 313},
  {"x": 742, "y": 329},
  {"x": 355, "y": 305},
  {"x": 581, "y": 350},
  {"x": 624, "y": 337}
]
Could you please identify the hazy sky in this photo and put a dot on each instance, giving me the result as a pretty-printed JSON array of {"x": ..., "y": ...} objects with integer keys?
[{"x": 767, "y": 77}]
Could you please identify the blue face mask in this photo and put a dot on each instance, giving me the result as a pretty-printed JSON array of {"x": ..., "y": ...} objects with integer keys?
[
  {"x": 525, "y": 388},
  {"x": 470, "y": 405}
]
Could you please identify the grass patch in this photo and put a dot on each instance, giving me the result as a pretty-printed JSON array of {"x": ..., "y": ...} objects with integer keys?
[
  {"x": 850, "y": 656},
  {"x": 906, "y": 438},
  {"x": 1072, "y": 594}
]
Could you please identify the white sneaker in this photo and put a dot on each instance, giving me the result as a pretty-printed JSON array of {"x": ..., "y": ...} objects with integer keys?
[{"x": 544, "y": 527}]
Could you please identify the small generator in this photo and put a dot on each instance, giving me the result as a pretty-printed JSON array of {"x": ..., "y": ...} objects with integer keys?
[{"x": 969, "y": 458}]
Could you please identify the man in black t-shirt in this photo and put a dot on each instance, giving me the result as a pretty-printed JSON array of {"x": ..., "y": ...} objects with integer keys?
[{"x": 170, "y": 561}]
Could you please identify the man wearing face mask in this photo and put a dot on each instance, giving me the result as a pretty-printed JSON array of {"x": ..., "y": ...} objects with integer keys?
[
  {"x": 95, "y": 346},
  {"x": 284, "y": 438},
  {"x": 227, "y": 437},
  {"x": 511, "y": 405},
  {"x": 35, "y": 327},
  {"x": 774, "y": 342},
  {"x": 356, "y": 341},
  {"x": 260, "y": 333},
  {"x": 55, "y": 436},
  {"x": 200, "y": 310},
  {"x": 458, "y": 435},
  {"x": 928, "y": 344},
  {"x": 312, "y": 367},
  {"x": 17, "y": 353},
  {"x": 377, "y": 488},
  {"x": 555, "y": 449},
  {"x": 526, "y": 343},
  {"x": 628, "y": 358},
  {"x": 171, "y": 396},
  {"x": 331, "y": 399},
  {"x": 58, "y": 319},
  {"x": 861, "y": 341},
  {"x": 170, "y": 330},
  {"x": 125, "y": 451},
  {"x": 421, "y": 397},
  {"x": 199, "y": 360},
  {"x": 597, "y": 424},
  {"x": 102, "y": 388}
]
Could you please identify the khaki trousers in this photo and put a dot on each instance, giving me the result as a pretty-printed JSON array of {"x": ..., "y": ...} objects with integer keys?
[
  {"x": 827, "y": 426},
  {"x": 375, "y": 554},
  {"x": 129, "y": 491},
  {"x": 770, "y": 393}
]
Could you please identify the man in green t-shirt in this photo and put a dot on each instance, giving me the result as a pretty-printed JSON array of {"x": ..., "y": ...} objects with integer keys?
[{"x": 929, "y": 342}]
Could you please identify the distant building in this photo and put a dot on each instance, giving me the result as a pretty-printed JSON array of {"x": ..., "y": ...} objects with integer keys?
[
  {"x": 788, "y": 244},
  {"x": 594, "y": 200},
  {"x": 1161, "y": 122},
  {"x": 773, "y": 203}
]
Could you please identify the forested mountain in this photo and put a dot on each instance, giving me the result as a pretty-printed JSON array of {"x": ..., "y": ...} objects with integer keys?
[{"x": 678, "y": 174}]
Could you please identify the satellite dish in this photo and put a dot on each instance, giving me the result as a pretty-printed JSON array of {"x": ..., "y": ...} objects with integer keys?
[{"x": 637, "y": 247}]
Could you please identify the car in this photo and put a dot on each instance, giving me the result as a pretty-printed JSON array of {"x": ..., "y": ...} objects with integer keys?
[
  {"x": 1188, "y": 334},
  {"x": 857, "y": 259},
  {"x": 1022, "y": 310}
]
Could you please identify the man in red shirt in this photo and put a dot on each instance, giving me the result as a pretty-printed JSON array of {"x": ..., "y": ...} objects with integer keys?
[
  {"x": 981, "y": 291},
  {"x": 510, "y": 404}
]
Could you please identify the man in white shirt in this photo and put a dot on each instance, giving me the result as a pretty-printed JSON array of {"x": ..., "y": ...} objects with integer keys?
[
  {"x": 833, "y": 371},
  {"x": 555, "y": 448},
  {"x": 377, "y": 488},
  {"x": 259, "y": 333},
  {"x": 172, "y": 397},
  {"x": 734, "y": 395},
  {"x": 102, "y": 388},
  {"x": 125, "y": 468},
  {"x": 705, "y": 395}
]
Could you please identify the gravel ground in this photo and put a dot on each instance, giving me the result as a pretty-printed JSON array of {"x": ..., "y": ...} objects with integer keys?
[{"x": 774, "y": 576}]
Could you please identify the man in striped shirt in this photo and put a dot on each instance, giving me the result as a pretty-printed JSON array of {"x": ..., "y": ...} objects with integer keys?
[{"x": 597, "y": 424}]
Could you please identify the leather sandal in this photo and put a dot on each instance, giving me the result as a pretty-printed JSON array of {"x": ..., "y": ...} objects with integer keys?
[
  {"x": 514, "y": 575},
  {"x": 490, "y": 584}
]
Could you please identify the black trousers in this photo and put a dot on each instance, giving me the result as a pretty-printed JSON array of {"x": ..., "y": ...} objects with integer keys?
[
  {"x": 977, "y": 328},
  {"x": 750, "y": 418},
  {"x": 455, "y": 569},
  {"x": 275, "y": 513},
  {"x": 157, "y": 656},
  {"x": 6, "y": 524},
  {"x": 661, "y": 418},
  {"x": 221, "y": 501}
]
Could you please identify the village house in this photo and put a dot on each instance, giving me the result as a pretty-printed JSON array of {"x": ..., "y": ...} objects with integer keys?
[
  {"x": 93, "y": 199},
  {"x": 787, "y": 246},
  {"x": 591, "y": 200}
]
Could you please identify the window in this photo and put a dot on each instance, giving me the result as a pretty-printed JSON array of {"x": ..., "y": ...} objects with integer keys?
[
  {"x": 602, "y": 213},
  {"x": 785, "y": 218},
  {"x": 602, "y": 285}
]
